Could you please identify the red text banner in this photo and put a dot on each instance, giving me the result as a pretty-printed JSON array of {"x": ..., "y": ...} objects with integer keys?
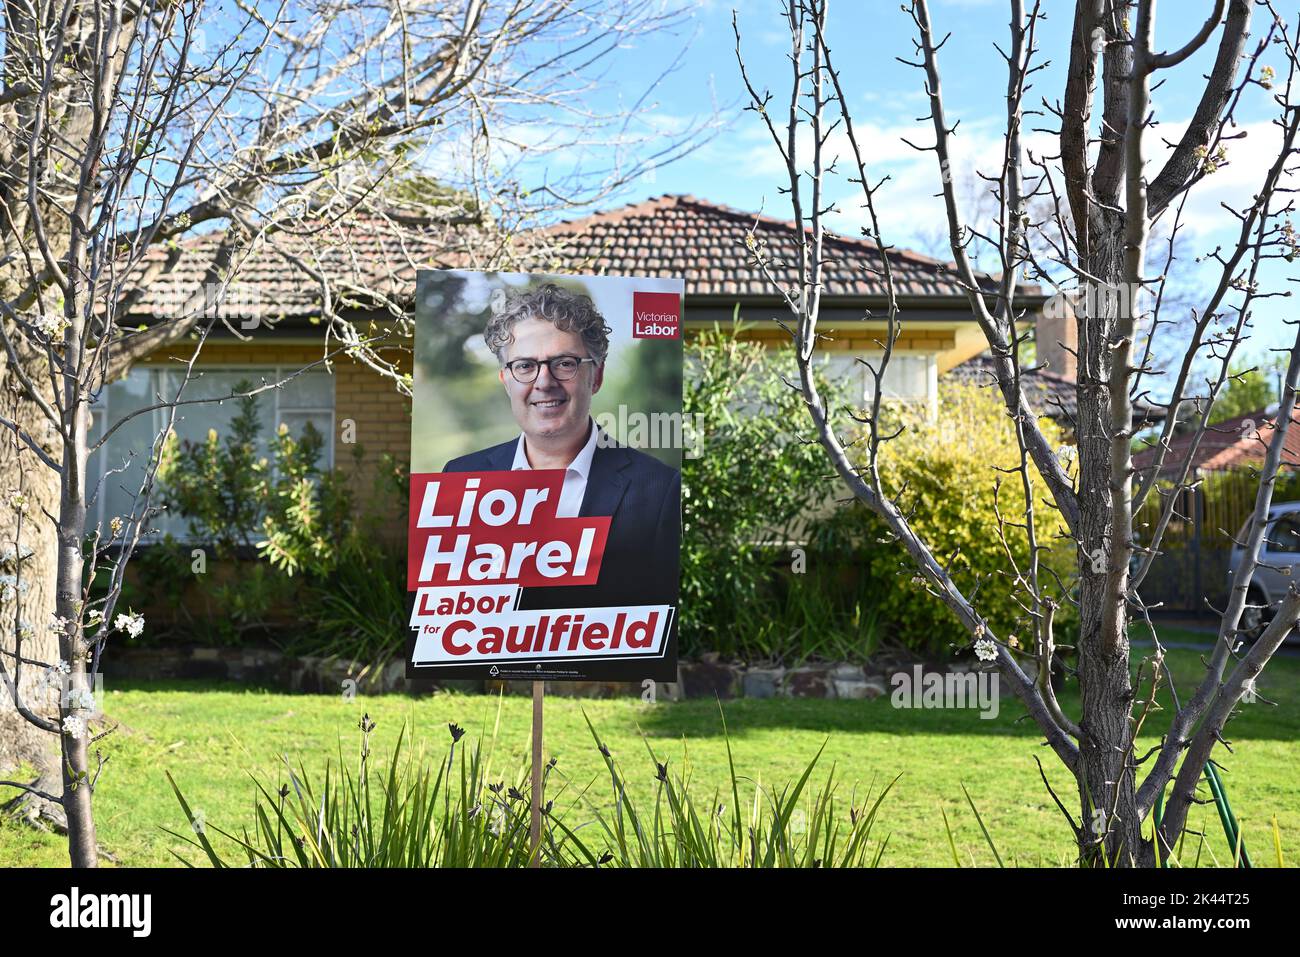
[{"x": 499, "y": 528}]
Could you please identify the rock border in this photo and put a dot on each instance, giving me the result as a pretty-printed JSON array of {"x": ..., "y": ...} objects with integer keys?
[{"x": 706, "y": 677}]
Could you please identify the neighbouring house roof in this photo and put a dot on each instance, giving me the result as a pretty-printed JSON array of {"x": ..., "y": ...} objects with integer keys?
[
  {"x": 1051, "y": 394},
  {"x": 669, "y": 236},
  {"x": 1233, "y": 443}
]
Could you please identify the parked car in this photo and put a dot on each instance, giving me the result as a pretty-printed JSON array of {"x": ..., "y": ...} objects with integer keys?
[{"x": 1279, "y": 559}]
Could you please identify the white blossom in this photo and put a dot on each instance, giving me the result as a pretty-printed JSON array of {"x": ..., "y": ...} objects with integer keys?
[
  {"x": 58, "y": 624},
  {"x": 985, "y": 650},
  {"x": 95, "y": 616},
  {"x": 17, "y": 500},
  {"x": 132, "y": 624},
  {"x": 51, "y": 325},
  {"x": 49, "y": 680},
  {"x": 63, "y": 668},
  {"x": 74, "y": 726},
  {"x": 80, "y": 699}
]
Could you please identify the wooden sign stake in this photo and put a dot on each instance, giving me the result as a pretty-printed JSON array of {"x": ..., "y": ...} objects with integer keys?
[{"x": 535, "y": 828}]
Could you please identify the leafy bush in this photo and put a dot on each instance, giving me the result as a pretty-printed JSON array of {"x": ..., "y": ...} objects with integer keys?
[
  {"x": 237, "y": 502},
  {"x": 232, "y": 603},
  {"x": 950, "y": 478},
  {"x": 228, "y": 494},
  {"x": 744, "y": 501},
  {"x": 778, "y": 563},
  {"x": 360, "y": 611},
  {"x": 457, "y": 812}
]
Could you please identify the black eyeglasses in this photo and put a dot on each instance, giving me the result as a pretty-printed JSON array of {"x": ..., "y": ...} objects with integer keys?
[{"x": 562, "y": 368}]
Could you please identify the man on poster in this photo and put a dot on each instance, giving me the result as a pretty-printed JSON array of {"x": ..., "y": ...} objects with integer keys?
[{"x": 552, "y": 345}]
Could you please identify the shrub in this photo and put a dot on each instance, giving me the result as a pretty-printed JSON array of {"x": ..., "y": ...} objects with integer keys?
[
  {"x": 232, "y": 603},
  {"x": 743, "y": 499},
  {"x": 230, "y": 496},
  {"x": 777, "y": 562},
  {"x": 360, "y": 610},
  {"x": 950, "y": 477},
  {"x": 302, "y": 520}
]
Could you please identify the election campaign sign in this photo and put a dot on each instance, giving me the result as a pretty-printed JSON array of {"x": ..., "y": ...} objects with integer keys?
[{"x": 547, "y": 438}]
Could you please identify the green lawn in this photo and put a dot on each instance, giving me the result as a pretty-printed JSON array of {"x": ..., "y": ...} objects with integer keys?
[{"x": 210, "y": 736}]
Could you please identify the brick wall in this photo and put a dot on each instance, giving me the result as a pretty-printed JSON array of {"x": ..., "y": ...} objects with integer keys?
[{"x": 856, "y": 340}]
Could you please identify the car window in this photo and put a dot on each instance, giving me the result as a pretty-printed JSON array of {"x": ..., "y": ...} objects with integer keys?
[{"x": 1285, "y": 536}]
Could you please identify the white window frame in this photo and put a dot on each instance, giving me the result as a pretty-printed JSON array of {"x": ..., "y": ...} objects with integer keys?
[{"x": 931, "y": 397}]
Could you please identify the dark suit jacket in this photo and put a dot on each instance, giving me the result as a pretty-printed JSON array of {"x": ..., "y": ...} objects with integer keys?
[{"x": 640, "y": 565}]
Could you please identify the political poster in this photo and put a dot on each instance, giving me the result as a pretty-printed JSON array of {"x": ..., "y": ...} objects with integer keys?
[{"x": 546, "y": 445}]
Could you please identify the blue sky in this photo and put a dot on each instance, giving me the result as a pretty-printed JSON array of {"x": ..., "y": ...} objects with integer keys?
[{"x": 740, "y": 168}]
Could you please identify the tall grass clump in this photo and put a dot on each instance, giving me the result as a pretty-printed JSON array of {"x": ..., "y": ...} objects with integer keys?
[
  {"x": 788, "y": 827},
  {"x": 457, "y": 812},
  {"x": 416, "y": 814}
]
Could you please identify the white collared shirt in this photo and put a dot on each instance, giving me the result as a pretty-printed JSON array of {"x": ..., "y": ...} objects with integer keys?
[{"x": 575, "y": 475}]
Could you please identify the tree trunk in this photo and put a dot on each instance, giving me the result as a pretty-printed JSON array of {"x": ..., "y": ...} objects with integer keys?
[
  {"x": 1107, "y": 788},
  {"x": 54, "y": 523},
  {"x": 21, "y": 743}
]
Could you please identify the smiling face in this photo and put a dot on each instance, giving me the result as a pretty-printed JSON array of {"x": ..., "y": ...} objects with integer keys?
[{"x": 552, "y": 413}]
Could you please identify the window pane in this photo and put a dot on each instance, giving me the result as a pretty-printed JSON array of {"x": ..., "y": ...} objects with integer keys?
[
  {"x": 194, "y": 421},
  {"x": 128, "y": 449},
  {"x": 324, "y": 423},
  {"x": 907, "y": 377},
  {"x": 146, "y": 386},
  {"x": 310, "y": 390}
]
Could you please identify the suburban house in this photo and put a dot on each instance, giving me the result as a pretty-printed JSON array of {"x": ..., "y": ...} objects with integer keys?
[{"x": 272, "y": 323}]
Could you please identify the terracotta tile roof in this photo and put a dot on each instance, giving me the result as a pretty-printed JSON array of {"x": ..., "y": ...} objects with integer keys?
[
  {"x": 1052, "y": 394},
  {"x": 364, "y": 257},
  {"x": 1232, "y": 443},
  {"x": 668, "y": 236},
  {"x": 707, "y": 244}
]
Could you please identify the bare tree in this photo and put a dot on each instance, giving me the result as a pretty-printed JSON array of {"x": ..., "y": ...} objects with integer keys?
[
  {"x": 144, "y": 141},
  {"x": 1170, "y": 253},
  {"x": 1103, "y": 198}
]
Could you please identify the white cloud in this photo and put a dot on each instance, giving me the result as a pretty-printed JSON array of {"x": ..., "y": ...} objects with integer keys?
[{"x": 911, "y": 212}]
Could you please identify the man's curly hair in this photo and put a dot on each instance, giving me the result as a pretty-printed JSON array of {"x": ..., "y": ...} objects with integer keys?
[{"x": 567, "y": 311}]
